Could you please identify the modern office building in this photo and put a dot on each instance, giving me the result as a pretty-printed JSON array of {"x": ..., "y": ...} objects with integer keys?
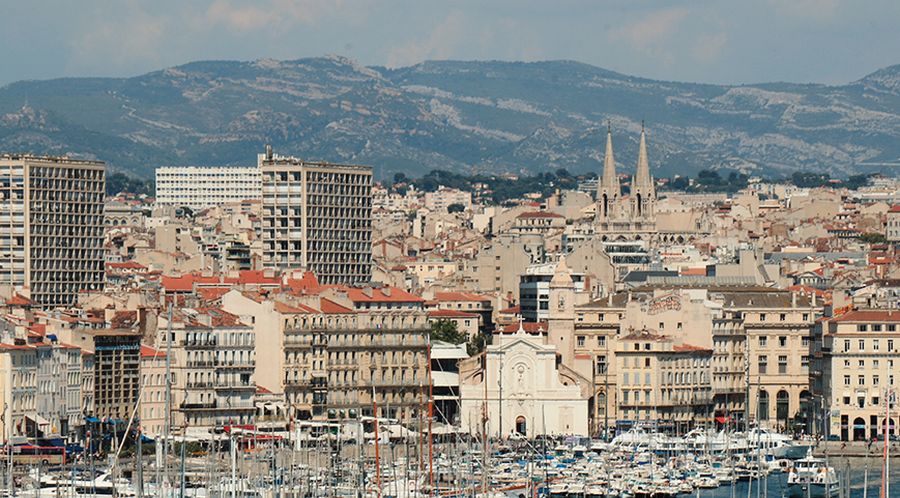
[
  {"x": 317, "y": 216},
  {"x": 199, "y": 187},
  {"x": 51, "y": 227}
]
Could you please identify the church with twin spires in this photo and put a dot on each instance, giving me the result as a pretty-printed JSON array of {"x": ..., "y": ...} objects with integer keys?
[{"x": 629, "y": 217}]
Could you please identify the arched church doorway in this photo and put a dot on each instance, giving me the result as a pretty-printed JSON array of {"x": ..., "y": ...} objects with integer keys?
[{"x": 520, "y": 426}]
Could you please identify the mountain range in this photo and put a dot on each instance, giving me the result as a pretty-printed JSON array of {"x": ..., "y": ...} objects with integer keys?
[{"x": 487, "y": 116}]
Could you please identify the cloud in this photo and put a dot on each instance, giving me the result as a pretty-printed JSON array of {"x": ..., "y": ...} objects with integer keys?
[
  {"x": 709, "y": 47},
  {"x": 439, "y": 44},
  {"x": 278, "y": 14},
  {"x": 650, "y": 34},
  {"x": 137, "y": 36},
  {"x": 808, "y": 10}
]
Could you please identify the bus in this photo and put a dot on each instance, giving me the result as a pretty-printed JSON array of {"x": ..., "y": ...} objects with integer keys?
[{"x": 32, "y": 455}]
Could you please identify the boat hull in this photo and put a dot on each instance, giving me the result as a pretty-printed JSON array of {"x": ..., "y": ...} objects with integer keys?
[{"x": 800, "y": 490}]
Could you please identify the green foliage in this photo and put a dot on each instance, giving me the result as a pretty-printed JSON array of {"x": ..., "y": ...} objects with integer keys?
[
  {"x": 710, "y": 181},
  {"x": 446, "y": 331},
  {"x": 808, "y": 179},
  {"x": 476, "y": 344},
  {"x": 873, "y": 238},
  {"x": 502, "y": 188},
  {"x": 119, "y": 182}
]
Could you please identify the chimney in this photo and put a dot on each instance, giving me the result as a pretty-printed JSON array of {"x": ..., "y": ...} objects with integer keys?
[
  {"x": 610, "y": 298},
  {"x": 367, "y": 291},
  {"x": 814, "y": 298},
  {"x": 386, "y": 291},
  {"x": 793, "y": 299}
]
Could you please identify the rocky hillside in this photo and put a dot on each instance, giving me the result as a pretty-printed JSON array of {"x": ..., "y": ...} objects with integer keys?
[{"x": 461, "y": 116}]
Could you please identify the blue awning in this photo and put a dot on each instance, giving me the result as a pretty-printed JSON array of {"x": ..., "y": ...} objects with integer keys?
[{"x": 92, "y": 420}]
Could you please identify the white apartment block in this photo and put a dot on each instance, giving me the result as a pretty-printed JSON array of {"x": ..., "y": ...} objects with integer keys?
[
  {"x": 51, "y": 227},
  {"x": 317, "y": 216},
  {"x": 199, "y": 187}
]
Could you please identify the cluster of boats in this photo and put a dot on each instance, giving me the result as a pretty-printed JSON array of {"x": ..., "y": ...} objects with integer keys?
[{"x": 635, "y": 464}]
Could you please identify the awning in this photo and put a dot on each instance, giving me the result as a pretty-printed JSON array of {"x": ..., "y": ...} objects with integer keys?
[
  {"x": 38, "y": 419},
  {"x": 92, "y": 420}
]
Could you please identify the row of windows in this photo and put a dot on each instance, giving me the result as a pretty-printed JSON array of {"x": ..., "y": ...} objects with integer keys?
[
  {"x": 875, "y": 343},
  {"x": 861, "y": 380}
]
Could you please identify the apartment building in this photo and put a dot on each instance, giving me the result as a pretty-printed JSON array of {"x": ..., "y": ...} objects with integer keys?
[
  {"x": 759, "y": 340},
  {"x": 861, "y": 371},
  {"x": 199, "y": 187},
  {"x": 153, "y": 384},
  {"x": 58, "y": 395},
  {"x": 328, "y": 351},
  {"x": 662, "y": 382},
  {"x": 51, "y": 227},
  {"x": 115, "y": 360},
  {"x": 213, "y": 359},
  {"x": 18, "y": 379},
  {"x": 317, "y": 216}
]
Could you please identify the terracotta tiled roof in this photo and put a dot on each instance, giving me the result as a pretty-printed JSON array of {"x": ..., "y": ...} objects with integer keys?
[
  {"x": 127, "y": 265},
  {"x": 330, "y": 307},
  {"x": 19, "y": 300},
  {"x": 869, "y": 316},
  {"x": 530, "y": 327},
  {"x": 297, "y": 309},
  {"x": 381, "y": 295},
  {"x": 689, "y": 347},
  {"x": 149, "y": 352}
]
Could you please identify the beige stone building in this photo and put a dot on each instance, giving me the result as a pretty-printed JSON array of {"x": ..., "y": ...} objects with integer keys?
[
  {"x": 759, "y": 339},
  {"x": 153, "y": 397},
  {"x": 664, "y": 383},
  {"x": 861, "y": 371},
  {"x": 328, "y": 349}
]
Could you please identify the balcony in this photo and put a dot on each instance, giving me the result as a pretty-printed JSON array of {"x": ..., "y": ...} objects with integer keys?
[{"x": 198, "y": 406}]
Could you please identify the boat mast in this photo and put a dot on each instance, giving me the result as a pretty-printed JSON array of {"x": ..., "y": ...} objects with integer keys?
[
  {"x": 430, "y": 417},
  {"x": 377, "y": 454},
  {"x": 168, "y": 407}
]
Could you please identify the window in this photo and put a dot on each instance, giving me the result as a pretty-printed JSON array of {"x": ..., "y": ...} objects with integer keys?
[
  {"x": 846, "y": 400},
  {"x": 874, "y": 363},
  {"x": 861, "y": 380},
  {"x": 876, "y": 327},
  {"x": 601, "y": 364},
  {"x": 646, "y": 346},
  {"x": 624, "y": 396},
  {"x": 782, "y": 341},
  {"x": 782, "y": 364},
  {"x": 580, "y": 341},
  {"x": 862, "y": 363},
  {"x": 625, "y": 380},
  {"x": 601, "y": 341},
  {"x": 782, "y": 317},
  {"x": 647, "y": 364},
  {"x": 875, "y": 380},
  {"x": 862, "y": 344},
  {"x": 862, "y": 327},
  {"x": 846, "y": 345},
  {"x": 679, "y": 326},
  {"x": 892, "y": 327},
  {"x": 762, "y": 341},
  {"x": 875, "y": 344},
  {"x": 804, "y": 362},
  {"x": 662, "y": 325},
  {"x": 846, "y": 363},
  {"x": 762, "y": 317},
  {"x": 806, "y": 317},
  {"x": 890, "y": 345},
  {"x": 846, "y": 379},
  {"x": 805, "y": 341},
  {"x": 763, "y": 363}
]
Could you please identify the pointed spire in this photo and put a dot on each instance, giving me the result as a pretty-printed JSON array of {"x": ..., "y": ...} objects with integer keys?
[
  {"x": 609, "y": 182},
  {"x": 642, "y": 173},
  {"x": 561, "y": 276}
]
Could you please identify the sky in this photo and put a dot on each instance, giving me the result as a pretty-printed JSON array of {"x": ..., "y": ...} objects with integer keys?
[{"x": 728, "y": 41}]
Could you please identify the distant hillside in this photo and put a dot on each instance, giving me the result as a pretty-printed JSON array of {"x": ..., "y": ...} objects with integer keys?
[{"x": 458, "y": 116}]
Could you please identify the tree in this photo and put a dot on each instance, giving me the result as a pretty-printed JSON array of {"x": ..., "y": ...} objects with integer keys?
[
  {"x": 446, "y": 331},
  {"x": 456, "y": 208},
  {"x": 873, "y": 238},
  {"x": 476, "y": 344}
]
